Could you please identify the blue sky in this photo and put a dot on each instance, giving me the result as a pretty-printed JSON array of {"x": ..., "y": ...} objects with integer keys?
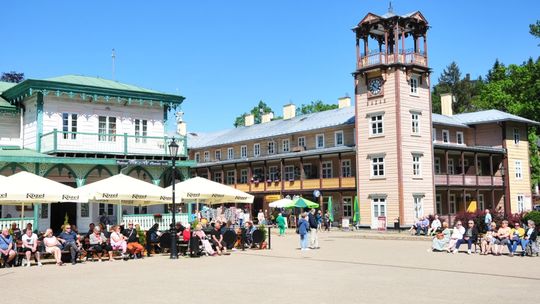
[{"x": 225, "y": 56}]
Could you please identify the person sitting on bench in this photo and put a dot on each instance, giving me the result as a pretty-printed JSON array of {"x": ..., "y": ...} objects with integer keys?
[
  {"x": 133, "y": 245},
  {"x": 52, "y": 246},
  {"x": 6, "y": 248},
  {"x": 152, "y": 238},
  {"x": 118, "y": 240},
  {"x": 250, "y": 228},
  {"x": 98, "y": 243},
  {"x": 217, "y": 239},
  {"x": 29, "y": 246},
  {"x": 199, "y": 233},
  {"x": 70, "y": 242},
  {"x": 470, "y": 237}
]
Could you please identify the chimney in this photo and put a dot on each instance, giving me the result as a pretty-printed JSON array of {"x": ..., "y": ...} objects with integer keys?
[
  {"x": 267, "y": 117},
  {"x": 182, "y": 128},
  {"x": 249, "y": 120},
  {"x": 344, "y": 102},
  {"x": 447, "y": 99},
  {"x": 289, "y": 111}
]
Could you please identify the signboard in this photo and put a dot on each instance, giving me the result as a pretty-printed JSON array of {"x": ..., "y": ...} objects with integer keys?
[
  {"x": 142, "y": 162},
  {"x": 272, "y": 198},
  {"x": 345, "y": 224},
  {"x": 382, "y": 223}
]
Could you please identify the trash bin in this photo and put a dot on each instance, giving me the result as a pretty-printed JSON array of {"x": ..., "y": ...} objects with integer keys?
[{"x": 396, "y": 225}]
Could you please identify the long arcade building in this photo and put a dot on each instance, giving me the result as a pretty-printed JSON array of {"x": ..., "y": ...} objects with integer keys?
[{"x": 388, "y": 149}]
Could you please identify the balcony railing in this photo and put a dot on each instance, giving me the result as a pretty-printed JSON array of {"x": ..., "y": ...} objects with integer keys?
[
  {"x": 296, "y": 184},
  {"x": 467, "y": 180},
  {"x": 147, "y": 220},
  {"x": 21, "y": 222},
  {"x": 81, "y": 142},
  {"x": 405, "y": 57}
]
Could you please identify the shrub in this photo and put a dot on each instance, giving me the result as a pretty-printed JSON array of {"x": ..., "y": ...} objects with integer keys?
[
  {"x": 262, "y": 228},
  {"x": 534, "y": 216}
]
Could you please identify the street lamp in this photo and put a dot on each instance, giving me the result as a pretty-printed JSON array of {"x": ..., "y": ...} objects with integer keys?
[{"x": 173, "y": 151}]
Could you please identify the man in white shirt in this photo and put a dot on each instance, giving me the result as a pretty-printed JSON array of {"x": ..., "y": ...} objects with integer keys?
[
  {"x": 260, "y": 217},
  {"x": 29, "y": 246},
  {"x": 436, "y": 224}
]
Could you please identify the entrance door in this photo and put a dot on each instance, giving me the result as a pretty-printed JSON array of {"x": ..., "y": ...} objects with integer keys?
[
  {"x": 59, "y": 212},
  {"x": 378, "y": 208}
]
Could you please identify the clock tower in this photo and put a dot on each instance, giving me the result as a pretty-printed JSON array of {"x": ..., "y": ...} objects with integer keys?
[{"x": 393, "y": 119}]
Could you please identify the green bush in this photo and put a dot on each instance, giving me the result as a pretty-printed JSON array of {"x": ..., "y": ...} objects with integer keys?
[
  {"x": 262, "y": 228},
  {"x": 534, "y": 216}
]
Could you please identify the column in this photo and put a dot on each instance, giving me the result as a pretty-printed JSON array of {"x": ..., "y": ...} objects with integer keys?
[
  {"x": 476, "y": 167},
  {"x": 340, "y": 169},
  {"x": 358, "y": 56},
  {"x": 301, "y": 173},
  {"x": 320, "y": 172},
  {"x": 491, "y": 168},
  {"x": 462, "y": 156},
  {"x": 446, "y": 167},
  {"x": 250, "y": 176}
]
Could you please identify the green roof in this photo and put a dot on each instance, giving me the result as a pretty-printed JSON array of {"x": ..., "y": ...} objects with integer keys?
[
  {"x": 16, "y": 151},
  {"x": 6, "y": 85},
  {"x": 99, "y": 83}
]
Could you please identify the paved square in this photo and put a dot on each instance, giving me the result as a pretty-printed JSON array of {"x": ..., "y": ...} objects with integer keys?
[{"x": 347, "y": 269}]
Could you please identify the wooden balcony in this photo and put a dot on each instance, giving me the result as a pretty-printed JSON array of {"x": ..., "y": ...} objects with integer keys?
[
  {"x": 468, "y": 180},
  {"x": 292, "y": 185},
  {"x": 380, "y": 58}
]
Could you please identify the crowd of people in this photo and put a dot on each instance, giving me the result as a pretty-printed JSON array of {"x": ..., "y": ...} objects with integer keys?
[{"x": 490, "y": 239}]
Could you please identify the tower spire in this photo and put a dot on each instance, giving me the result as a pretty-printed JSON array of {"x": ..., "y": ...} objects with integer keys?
[
  {"x": 113, "y": 56},
  {"x": 390, "y": 8}
]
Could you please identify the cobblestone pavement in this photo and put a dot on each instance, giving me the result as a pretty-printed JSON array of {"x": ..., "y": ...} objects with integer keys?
[{"x": 348, "y": 268}]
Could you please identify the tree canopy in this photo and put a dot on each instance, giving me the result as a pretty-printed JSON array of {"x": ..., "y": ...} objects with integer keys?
[
  {"x": 257, "y": 111},
  {"x": 12, "y": 77},
  {"x": 315, "y": 106}
]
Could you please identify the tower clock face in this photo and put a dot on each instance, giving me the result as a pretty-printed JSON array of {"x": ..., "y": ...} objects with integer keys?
[{"x": 375, "y": 86}]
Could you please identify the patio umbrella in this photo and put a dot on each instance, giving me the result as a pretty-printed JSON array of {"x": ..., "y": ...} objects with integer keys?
[
  {"x": 330, "y": 209},
  {"x": 198, "y": 188},
  {"x": 26, "y": 188},
  {"x": 356, "y": 216},
  {"x": 280, "y": 203},
  {"x": 125, "y": 190},
  {"x": 301, "y": 202}
]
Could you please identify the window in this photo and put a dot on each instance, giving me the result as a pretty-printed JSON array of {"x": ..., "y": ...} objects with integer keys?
[
  {"x": 206, "y": 156},
  {"x": 481, "y": 202},
  {"x": 479, "y": 166},
  {"x": 516, "y": 136},
  {"x": 450, "y": 167},
  {"x": 141, "y": 129},
  {"x": 434, "y": 135},
  {"x": 289, "y": 173},
  {"x": 377, "y": 167},
  {"x": 302, "y": 141},
  {"x": 338, "y": 138},
  {"x": 218, "y": 177},
  {"x": 243, "y": 152},
  {"x": 106, "y": 208},
  {"x": 106, "y": 128},
  {"x": 346, "y": 168},
  {"x": 273, "y": 174},
  {"x": 243, "y": 176},
  {"x": 414, "y": 85},
  {"x": 376, "y": 125},
  {"x": 217, "y": 155},
  {"x": 437, "y": 165},
  {"x": 418, "y": 206},
  {"x": 197, "y": 157},
  {"x": 445, "y": 136},
  {"x": 319, "y": 141},
  {"x": 463, "y": 167},
  {"x": 257, "y": 150},
  {"x": 518, "y": 169},
  {"x": 379, "y": 206},
  {"x": 85, "y": 210},
  {"x": 271, "y": 147},
  {"x": 327, "y": 169},
  {"x": 347, "y": 206},
  {"x": 258, "y": 174},
  {"x": 230, "y": 153},
  {"x": 520, "y": 203},
  {"x": 44, "y": 211},
  {"x": 459, "y": 138},
  {"x": 438, "y": 206},
  {"x": 452, "y": 204},
  {"x": 285, "y": 145},
  {"x": 140, "y": 210},
  {"x": 415, "y": 122},
  {"x": 69, "y": 124},
  {"x": 417, "y": 168},
  {"x": 230, "y": 177}
]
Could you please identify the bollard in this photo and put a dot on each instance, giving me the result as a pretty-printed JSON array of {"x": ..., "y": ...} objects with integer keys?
[{"x": 269, "y": 238}]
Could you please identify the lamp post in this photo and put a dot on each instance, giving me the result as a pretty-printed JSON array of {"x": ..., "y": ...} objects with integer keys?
[{"x": 173, "y": 151}]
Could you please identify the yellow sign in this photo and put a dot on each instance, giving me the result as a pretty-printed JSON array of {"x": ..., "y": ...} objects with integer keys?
[
  {"x": 272, "y": 198},
  {"x": 472, "y": 207}
]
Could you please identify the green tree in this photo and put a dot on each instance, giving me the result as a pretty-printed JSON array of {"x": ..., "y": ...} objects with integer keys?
[
  {"x": 315, "y": 106},
  {"x": 12, "y": 77},
  {"x": 534, "y": 29},
  {"x": 257, "y": 111},
  {"x": 464, "y": 89}
]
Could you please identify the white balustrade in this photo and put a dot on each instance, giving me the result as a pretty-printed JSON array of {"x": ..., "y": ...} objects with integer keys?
[
  {"x": 146, "y": 221},
  {"x": 21, "y": 223}
]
